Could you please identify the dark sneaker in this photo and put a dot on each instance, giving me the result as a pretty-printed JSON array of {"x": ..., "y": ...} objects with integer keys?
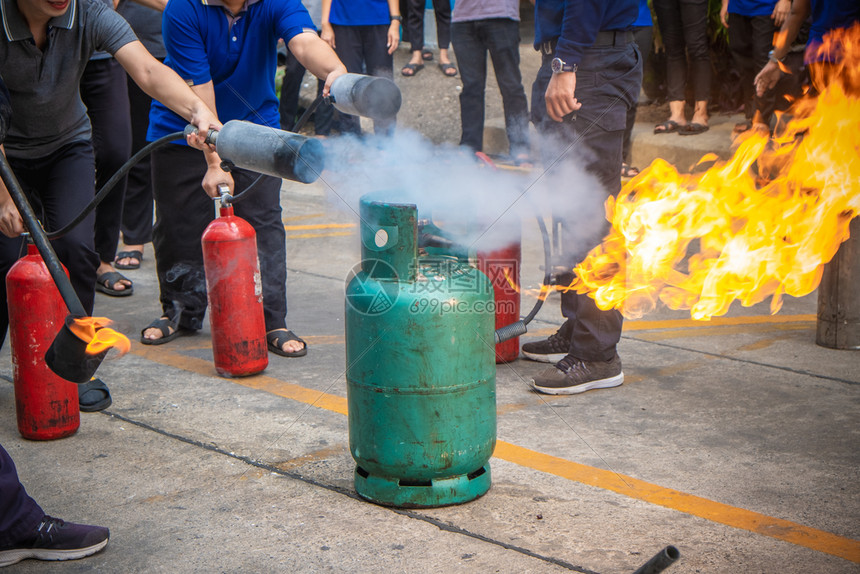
[
  {"x": 550, "y": 350},
  {"x": 572, "y": 376},
  {"x": 54, "y": 539}
]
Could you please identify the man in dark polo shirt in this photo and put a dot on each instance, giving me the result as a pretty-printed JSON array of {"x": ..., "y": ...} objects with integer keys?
[
  {"x": 590, "y": 76},
  {"x": 44, "y": 47}
]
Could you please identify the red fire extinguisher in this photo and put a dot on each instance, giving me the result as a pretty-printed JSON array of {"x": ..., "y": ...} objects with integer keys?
[
  {"x": 235, "y": 295},
  {"x": 502, "y": 267},
  {"x": 47, "y": 406}
]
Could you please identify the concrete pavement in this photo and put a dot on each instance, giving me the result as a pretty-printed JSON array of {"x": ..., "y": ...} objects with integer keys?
[{"x": 734, "y": 440}]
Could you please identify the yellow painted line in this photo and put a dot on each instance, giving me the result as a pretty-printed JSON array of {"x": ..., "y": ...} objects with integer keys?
[
  {"x": 785, "y": 530},
  {"x": 693, "y": 324},
  {"x": 300, "y": 217},
  {"x": 310, "y": 235},
  {"x": 262, "y": 382},
  {"x": 320, "y": 226},
  {"x": 720, "y": 331},
  {"x": 717, "y": 322}
]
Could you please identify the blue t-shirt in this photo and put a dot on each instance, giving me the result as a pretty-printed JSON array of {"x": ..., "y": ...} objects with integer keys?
[
  {"x": 644, "y": 18},
  {"x": 240, "y": 59},
  {"x": 575, "y": 23},
  {"x": 827, "y": 15},
  {"x": 359, "y": 12},
  {"x": 751, "y": 8}
]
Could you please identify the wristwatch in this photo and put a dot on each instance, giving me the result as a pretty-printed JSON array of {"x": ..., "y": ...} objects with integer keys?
[
  {"x": 399, "y": 18},
  {"x": 558, "y": 65},
  {"x": 773, "y": 58}
]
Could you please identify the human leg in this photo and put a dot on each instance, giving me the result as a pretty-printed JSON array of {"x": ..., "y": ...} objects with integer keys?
[
  {"x": 288, "y": 107},
  {"x": 351, "y": 52},
  {"x": 19, "y": 513},
  {"x": 672, "y": 31},
  {"x": 137, "y": 208},
  {"x": 503, "y": 37},
  {"x": 183, "y": 210},
  {"x": 27, "y": 532},
  {"x": 380, "y": 63},
  {"x": 104, "y": 92},
  {"x": 694, "y": 14},
  {"x": 762, "y": 31},
  {"x": 472, "y": 54}
]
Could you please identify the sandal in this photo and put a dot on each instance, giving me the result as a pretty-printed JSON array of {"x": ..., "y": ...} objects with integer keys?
[
  {"x": 93, "y": 396},
  {"x": 448, "y": 69},
  {"x": 693, "y": 129},
  {"x": 629, "y": 170},
  {"x": 128, "y": 255},
  {"x": 427, "y": 55},
  {"x": 412, "y": 69},
  {"x": 165, "y": 325},
  {"x": 276, "y": 339},
  {"x": 107, "y": 281},
  {"x": 668, "y": 127}
]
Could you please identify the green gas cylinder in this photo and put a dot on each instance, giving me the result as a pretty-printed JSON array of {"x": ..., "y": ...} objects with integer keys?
[{"x": 421, "y": 376}]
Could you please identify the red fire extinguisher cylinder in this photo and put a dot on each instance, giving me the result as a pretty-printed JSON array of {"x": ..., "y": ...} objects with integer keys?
[
  {"x": 502, "y": 267},
  {"x": 235, "y": 295},
  {"x": 46, "y": 405}
]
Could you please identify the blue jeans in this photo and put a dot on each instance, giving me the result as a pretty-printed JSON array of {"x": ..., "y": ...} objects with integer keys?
[
  {"x": 607, "y": 85},
  {"x": 472, "y": 41}
]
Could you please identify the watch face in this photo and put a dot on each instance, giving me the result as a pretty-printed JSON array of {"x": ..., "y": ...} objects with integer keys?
[{"x": 556, "y": 65}]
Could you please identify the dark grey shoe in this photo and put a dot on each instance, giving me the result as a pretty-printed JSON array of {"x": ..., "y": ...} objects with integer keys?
[
  {"x": 54, "y": 539},
  {"x": 572, "y": 376},
  {"x": 552, "y": 349}
]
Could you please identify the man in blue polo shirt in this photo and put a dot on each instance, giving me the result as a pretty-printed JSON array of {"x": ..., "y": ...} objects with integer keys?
[
  {"x": 44, "y": 47},
  {"x": 226, "y": 50},
  {"x": 590, "y": 76}
]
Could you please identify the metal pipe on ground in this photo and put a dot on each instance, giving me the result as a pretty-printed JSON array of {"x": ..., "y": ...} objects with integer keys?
[{"x": 660, "y": 561}]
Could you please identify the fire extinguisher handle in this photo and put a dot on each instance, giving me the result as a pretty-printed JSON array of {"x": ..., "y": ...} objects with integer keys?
[
  {"x": 224, "y": 190},
  {"x": 211, "y": 136}
]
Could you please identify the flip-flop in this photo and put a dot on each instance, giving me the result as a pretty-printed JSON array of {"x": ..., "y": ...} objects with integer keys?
[
  {"x": 107, "y": 281},
  {"x": 628, "y": 170},
  {"x": 164, "y": 325},
  {"x": 276, "y": 339},
  {"x": 413, "y": 69},
  {"x": 668, "y": 127},
  {"x": 128, "y": 255},
  {"x": 93, "y": 396},
  {"x": 693, "y": 129},
  {"x": 448, "y": 67}
]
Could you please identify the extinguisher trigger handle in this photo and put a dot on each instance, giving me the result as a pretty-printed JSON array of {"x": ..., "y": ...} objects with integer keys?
[
  {"x": 225, "y": 196},
  {"x": 211, "y": 135}
]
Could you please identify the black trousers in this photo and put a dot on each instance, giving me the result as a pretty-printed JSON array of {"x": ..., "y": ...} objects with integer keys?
[
  {"x": 183, "y": 210},
  {"x": 644, "y": 36},
  {"x": 288, "y": 107},
  {"x": 684, "y": 28},
  {"x": 58, "y": 187},
  {"x": 750, "y": 40},
  {"x": 500, "y": 38},
  {"x": 362, "y": 49},
  {"x": 137, "y": 208},
  {"x": 104, "y": 92},
  {"x": 415, "y": 23},
  {"x": 19, "y": 514},
  {"x": 607, "y": 85}
]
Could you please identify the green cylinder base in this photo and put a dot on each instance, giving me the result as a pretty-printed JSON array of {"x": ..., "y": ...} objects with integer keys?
[{"x": 390, "y": 491}]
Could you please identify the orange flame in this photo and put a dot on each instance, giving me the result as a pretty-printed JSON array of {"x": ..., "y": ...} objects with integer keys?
[
  {"x": 541, "y": 293},
  {"x": 95, "y": 331},
  {"x": 699, "y": 242}
]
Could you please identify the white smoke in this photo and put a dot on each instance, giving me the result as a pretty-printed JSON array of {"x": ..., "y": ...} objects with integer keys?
[{"x": 461, "y": 193}]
